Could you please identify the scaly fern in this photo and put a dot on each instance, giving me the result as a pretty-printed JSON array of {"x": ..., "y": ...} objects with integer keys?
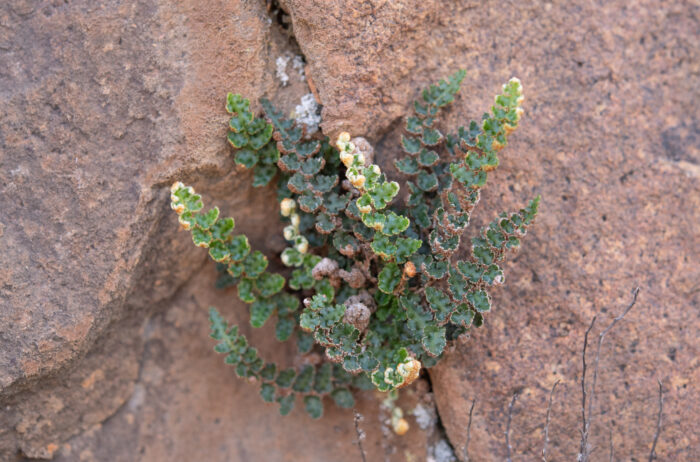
[{"x": 379, "y": 288}]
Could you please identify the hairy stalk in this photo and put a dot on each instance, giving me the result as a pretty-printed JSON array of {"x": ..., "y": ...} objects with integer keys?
[{"x": 360, "y": 434}]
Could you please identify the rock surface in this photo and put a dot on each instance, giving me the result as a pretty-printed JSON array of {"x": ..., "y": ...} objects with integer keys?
[
  {"x": 610, "y": 141},
  {"x": 103, "y": 106},
  {"x": 365, "y": 57}
]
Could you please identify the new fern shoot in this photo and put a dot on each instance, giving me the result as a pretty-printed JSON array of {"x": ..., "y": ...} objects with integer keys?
[{"x": 379, "y": 287}]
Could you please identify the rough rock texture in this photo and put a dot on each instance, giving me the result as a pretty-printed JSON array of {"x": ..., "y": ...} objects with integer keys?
[
  {"x": 610, "y": 140},
  {"x": 363, "y": 55},
  {"x": 103, "y": 105}
]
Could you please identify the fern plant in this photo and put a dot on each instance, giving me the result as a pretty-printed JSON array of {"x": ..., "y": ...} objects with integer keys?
[{"x": 379, "y": 287}]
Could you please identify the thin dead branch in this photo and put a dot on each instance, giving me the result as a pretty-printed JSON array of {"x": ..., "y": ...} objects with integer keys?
[
  {"x": 652, "y": 454},
  {"x": 584, "y": 436},
  {"x": 360, "y": 434},
  {"x": 469, "y": 430},
  {"x": 600, "y": 343},
  {"x": 546, "y": 424},
  {"x": 585, "y": 450},
  {"x": 587, "y": 402}
]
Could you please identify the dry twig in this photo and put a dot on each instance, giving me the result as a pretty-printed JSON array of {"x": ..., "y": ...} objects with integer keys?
[
  {"x": 585, "y": 450},
  {"x": 546, "y": 424},
  {"x": 584, "y": 435},
  {"x": 360, "y": 434},
  {"x": 469, "y": 430},
  {"x": 600, "y": 342},
  {"x": 587, "y": 402},
  {"x": 652, "y": 454}
]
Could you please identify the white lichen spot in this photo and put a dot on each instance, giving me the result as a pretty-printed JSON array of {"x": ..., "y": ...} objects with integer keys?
[
  {"x": 307, "y": 113},
  {"x": 299, "y": 65},
  {"x": 441, "y": 452},
  {"x": 426, "y": 418},
  {"x": 281, "y": 64}
]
